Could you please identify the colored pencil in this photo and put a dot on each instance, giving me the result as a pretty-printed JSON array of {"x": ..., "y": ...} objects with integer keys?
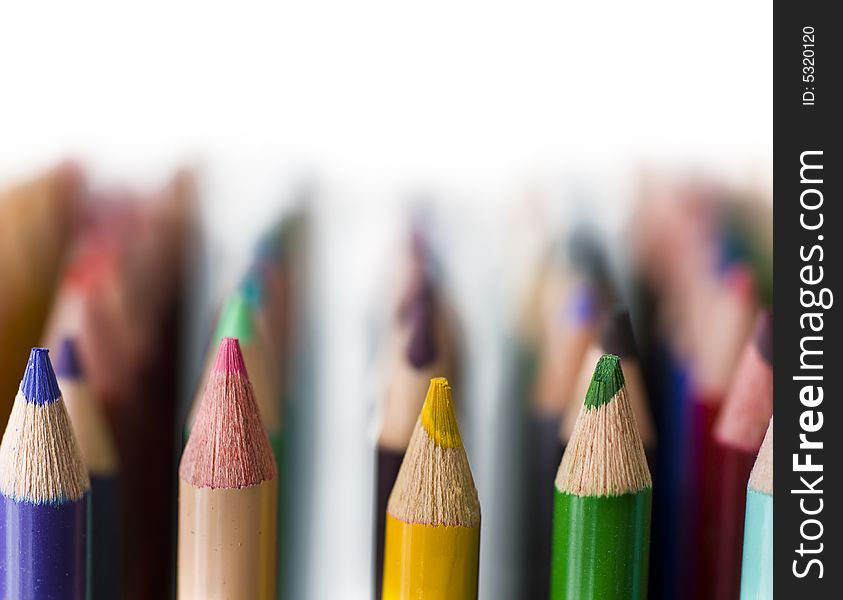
[
  {"x": 96, "y": 446},
  {"x": 88, "y": 262},
  {"x": 738, "y": 433},
  {"x": 617, "y": 338},
  {"x": 757, "y": 570},
  {"x": 237, "y": 321},
  {"x": 36, "y": 224},
  {"x": 265, "y": 291},
  {"x": 570, "y": 334},
  {"x": 568, "y": 339},
  {"x": 45, "y": 494},
  {"x": 517, "y": 471},
  {"x": 228, "y": 493},
  {"x": 433, "y": 514},
  {"x": 601, "y": 521},
  {"x": 420, "y": 358},
  {"x": 720, "y": 336},
  {"x": 671, "y": 247},
  {"x": 279, "y": 258},
  {"x": 424, "y": 285},
  {"x": 131, "y": 351}
]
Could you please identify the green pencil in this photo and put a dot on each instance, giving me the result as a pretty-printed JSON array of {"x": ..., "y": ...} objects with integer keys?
[{"x": 601, "y": 520}]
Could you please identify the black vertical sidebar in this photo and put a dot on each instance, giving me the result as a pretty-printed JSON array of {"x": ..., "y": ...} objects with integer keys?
[{"x": 808, "y": 260}]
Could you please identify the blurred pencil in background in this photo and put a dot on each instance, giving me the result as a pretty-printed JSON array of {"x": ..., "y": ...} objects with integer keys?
[
  {"x": 45, "y": 494},
  {"x": 116, "y": 263},
  {"x": 582, "y": 291},
  {"x": 277, "y": 273},
  {"x": 432, "y": 548},
  {"x": 128, "y": 341},
  {"x": 691, "y": 286},
  {"x": 99, "y": 455},
  {"x": 722, "y": 331},
  {"x": 738, "y": 433},
  {"x": 37, "y": 219},
  {"x": 228, "y": 492}
]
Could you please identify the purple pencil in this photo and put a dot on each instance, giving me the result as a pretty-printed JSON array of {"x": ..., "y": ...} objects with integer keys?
[{"x": 44, "y": 491}]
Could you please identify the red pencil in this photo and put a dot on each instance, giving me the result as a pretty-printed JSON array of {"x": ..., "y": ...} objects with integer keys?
[
  {"x": 738, "y": 433},
  {"x": 720, "y": 336}
]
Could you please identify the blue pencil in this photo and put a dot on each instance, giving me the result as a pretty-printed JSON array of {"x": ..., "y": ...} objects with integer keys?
[
  {"x": 96, "y": 445},
  {"x": 44, "y": 492}
]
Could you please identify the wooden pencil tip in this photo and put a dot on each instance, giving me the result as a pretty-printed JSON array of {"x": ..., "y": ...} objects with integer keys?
[
  {"x": 39, "y": 459},
  {"x": 761, "y": 477},
  {"x": 236, "y": 319},
  {"x": 230, "y": 357},
  {"x": 605, "y": 383},
  {"x": 438, "y": 416},
  {"x": 39, "y": 385},
  {"x": 228, "y": 447}
]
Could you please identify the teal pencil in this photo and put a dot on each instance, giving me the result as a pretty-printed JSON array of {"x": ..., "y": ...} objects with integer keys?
[{"x": 757, "y": 568}]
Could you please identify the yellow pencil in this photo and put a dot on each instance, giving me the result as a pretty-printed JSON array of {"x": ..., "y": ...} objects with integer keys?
[{"x": 433, "y": 515}]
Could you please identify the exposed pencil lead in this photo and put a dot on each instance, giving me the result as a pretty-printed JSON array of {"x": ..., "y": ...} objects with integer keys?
[
  {"x": 438, "y": 417},
  {"x": 39, "y": 458},
  {"x": 605, "y": 455},
  {"x": 229, "y": 357},
  {"x": 45, "y": 493},
  {"x": 606, "y": 381},
  {"x": 228, "y": 447},
  {"x": 434, "y": 485},
  {"x": 39, "y": 384}
]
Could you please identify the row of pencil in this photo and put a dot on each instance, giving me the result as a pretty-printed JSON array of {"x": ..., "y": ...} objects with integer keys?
[
  {"x": 677, "y": 387},
  {"x": 695, "y": 269},
  {"x": 228, "y": 497},
  {"x": 598, "y": 527},
  {"x": 99, "y": 277}
]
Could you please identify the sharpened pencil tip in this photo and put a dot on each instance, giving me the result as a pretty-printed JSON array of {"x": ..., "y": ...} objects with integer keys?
[
  {"x": 606, "y": 381},
  {"x": 438, "y": 417},
  {"x": 229, "y": 357},
  {"x": 39, "y": 385}
]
